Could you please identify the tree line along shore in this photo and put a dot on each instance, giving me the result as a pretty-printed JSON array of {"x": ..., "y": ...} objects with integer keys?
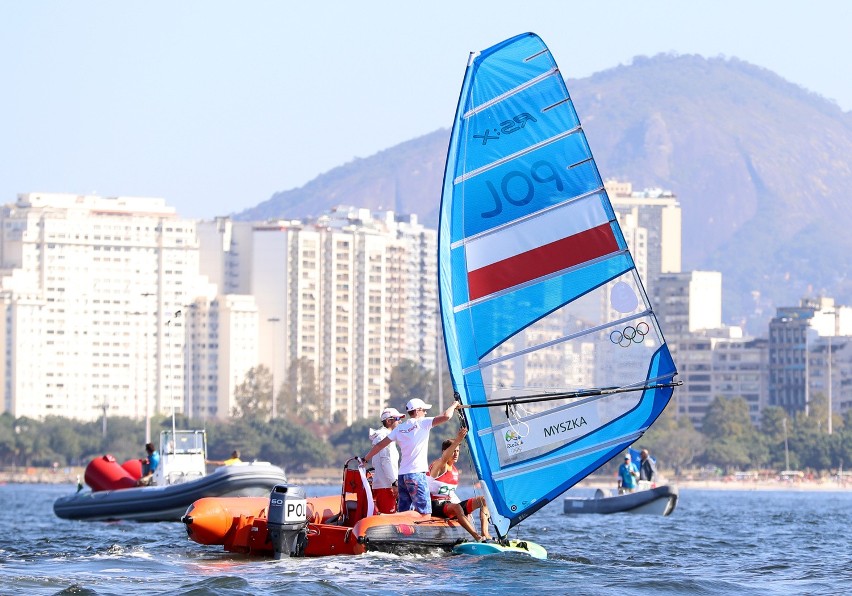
[{"x": 58, "y": 449}]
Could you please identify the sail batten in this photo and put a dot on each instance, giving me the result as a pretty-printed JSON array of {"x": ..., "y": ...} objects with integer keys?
[
  {"x": 562, "y": 396},
  {"x": 485, "y": 362},
  {"x": 510, "y": 93},
  {"x": 521, "y": 153},
  {"x": 551, "y": 340},
  {"x": 555, "y": 105},
  {"x": 536, "y": 55}
]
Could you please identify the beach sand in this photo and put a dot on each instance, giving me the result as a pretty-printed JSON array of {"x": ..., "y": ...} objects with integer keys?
[{"x": 606, "y": 483}]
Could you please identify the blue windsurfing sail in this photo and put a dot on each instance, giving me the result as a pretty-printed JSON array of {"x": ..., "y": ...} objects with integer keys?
[{"x": 550, "y": 337}]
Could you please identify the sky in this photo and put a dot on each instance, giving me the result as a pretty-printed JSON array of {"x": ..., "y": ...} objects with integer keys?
[{"x": 217, "y": 105}]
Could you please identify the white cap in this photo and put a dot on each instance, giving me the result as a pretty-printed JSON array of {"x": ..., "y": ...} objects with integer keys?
[
  {"x": 416, "y": 404},
  {"x": 391, "y": 413}
]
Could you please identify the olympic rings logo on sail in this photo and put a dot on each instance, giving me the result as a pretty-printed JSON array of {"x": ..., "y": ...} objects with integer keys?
[{"x": 630, "y": 335}]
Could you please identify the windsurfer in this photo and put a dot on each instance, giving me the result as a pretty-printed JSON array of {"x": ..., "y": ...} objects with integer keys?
[
  {"x": 443, "y": 481},
  {"x": 412, "y": 437}
]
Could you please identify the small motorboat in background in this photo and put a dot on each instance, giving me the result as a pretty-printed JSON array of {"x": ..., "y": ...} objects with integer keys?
[
  {"x": 179, "y": 480},
  {"x": 658, "y": 500}
]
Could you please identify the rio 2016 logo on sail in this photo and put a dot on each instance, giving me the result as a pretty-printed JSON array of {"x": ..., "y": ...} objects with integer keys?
[
  {"x": 514, "y": 442},
  {"x": 506, "y": 127}
]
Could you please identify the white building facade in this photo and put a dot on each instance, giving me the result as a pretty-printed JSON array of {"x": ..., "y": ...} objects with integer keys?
[
  {"x": 89, "y": 286},
  {"x": 105, "y": 312},
  {"x": 687, "y": 302},
  {"x": 341, "y": 300},
  {"x": 721, "y": 363},
  {"x": 658, "y": 212}
]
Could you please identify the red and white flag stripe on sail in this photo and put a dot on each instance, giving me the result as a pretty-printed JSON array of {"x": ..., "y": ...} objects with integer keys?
[{"x": 555, "y": 240}]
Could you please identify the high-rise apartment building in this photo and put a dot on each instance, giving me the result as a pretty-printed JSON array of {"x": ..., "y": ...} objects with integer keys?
[
  {"x": 221, "y": 347},
  {"x": 810, "y": 353},
  {"x": 720, "y": 363},
  {"x": 688, "y": 301},
  {"x": 89, "y": 291},
  {"x": 658, "y": 212},
  {"x": 341, "y": 300},
  {"x": 788, "y": 356},
  {"x": 689, "y": 309}
]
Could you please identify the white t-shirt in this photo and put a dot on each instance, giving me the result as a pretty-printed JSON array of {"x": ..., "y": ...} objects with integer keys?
[
  {"x": 385, "y": 462},
  {"x": 412, "y": 436}
]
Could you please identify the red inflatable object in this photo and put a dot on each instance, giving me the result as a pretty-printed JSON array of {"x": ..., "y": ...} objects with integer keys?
[
  {"x": 104, "y": 473},
  {"x": 133, "y": 467}
]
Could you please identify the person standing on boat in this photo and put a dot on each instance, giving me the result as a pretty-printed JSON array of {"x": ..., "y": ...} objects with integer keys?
[
  {"x": 386, "y": 463},
  {"x": 627, "y": 475},
  {"x": 647, "y": 469},
  {"x": 149, "y": 465},
  {"x": 443, "y": 482},
  {"x": 412, "y": 437}
]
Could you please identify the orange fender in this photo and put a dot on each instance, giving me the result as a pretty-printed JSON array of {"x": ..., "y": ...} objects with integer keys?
[{"x": 212, "y": 520}]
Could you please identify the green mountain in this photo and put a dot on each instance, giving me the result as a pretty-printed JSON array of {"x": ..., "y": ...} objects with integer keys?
[{"x": 762, "y": 169}]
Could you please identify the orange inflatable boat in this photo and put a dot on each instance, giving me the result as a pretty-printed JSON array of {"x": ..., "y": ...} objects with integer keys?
[{"x": 290, "y": 524}]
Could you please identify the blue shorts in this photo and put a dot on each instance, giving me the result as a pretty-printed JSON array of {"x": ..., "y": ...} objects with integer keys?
[{"x": 414, "y": 493}]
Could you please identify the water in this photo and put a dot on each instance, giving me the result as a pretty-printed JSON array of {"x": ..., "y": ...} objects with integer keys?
[{"x": 716, "y": 542}]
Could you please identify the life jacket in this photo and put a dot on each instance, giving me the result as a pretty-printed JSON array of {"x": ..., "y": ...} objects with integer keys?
[{"x": 443, "y": 488}]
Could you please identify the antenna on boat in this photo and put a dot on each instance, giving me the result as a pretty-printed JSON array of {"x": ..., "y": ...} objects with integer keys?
[{"x": 171, "y": 375}]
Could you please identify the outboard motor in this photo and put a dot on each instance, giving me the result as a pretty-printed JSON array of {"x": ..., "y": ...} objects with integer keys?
[{"x": 287, "y": 520}]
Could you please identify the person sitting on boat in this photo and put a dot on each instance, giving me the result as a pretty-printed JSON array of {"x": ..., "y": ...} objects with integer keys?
[
  {"x": 647, "y": 469},
  {"x": 386, "y": 463},
  {"x": 443, "y": 482},
  {"x": 234, "y": 459},
  {"x": 627, "y": 475},
  {"x": 149, "y": 465},
  {"x": 412, "y": 437}
]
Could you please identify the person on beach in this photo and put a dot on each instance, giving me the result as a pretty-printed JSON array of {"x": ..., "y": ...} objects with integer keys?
[
  {"x": 412, "y": 438},
  {"x": 443, "y": 482},
  {"x": 627, "y": 476}
]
